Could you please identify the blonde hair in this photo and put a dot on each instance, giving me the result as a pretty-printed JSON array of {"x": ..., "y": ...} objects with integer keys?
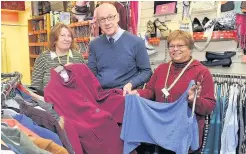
[
  {"x": 54, "y": 35},
  {"x": 181, "y": 35}
]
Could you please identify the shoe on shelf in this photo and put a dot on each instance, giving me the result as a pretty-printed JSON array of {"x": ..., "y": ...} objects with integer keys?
[
  {"x": 223, "y": 62},
  {"x": 151, "y": 52},
  {"x": 150, "y": 29},
  {"x": 197, "y": 26},
  {"x": 162, "y": 27},
  {"x": 147, "y": 45},
  {"x": 210, "y": 56},
  {"x": 204, "y": 21}
]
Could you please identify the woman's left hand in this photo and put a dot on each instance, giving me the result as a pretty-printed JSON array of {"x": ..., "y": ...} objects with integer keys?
[{"x": 191, "y": 92}]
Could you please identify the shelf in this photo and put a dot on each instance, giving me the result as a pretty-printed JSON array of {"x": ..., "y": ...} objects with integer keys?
[
  {"x": 38, "y": 32},
  {"x": 38, "y": 44},
  {"x": 34, "y": 56},
  {"x": 78, "y": 24},
  {"x": 82, "y": 39},
  {"x": 38, "y": 17},
  {"x": 216, "y": 36},
  {"x": 159, "y": 15}
]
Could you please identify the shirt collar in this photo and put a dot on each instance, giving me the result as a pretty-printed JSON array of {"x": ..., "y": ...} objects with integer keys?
[
  {"x": 53, "y": 54},
  {"x": 117, "y": 35}
]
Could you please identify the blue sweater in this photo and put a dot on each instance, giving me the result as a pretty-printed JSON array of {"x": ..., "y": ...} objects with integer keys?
[
  {"x": 116, "y": 64},
  {"x": 168, "y": 125}
]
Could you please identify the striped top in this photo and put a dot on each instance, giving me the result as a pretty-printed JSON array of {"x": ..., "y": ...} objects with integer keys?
[{"x": 45, "y": 62}]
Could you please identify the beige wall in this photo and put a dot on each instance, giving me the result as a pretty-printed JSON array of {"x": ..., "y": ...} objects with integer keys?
[{"x": 147, "y": 14}]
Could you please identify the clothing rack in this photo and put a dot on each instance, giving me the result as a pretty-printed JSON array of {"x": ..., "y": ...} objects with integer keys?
[
  {"x": 8, "y": 85},
  {"x": 234, "y": 76}
]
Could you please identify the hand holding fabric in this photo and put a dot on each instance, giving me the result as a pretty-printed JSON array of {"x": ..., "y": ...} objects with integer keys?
[
  {"x": 191, "y": 92},
  {"x": 134, "y": 92},
  {"x": 127, "y": 89}
]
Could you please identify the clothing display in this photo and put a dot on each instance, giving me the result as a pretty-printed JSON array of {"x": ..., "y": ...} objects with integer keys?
[
  {"x": 30, "y": 125},
  {"x": 169, "y": 125},
  {"x": 91, "y": 114},
  {"x": 227, "y": 125}
]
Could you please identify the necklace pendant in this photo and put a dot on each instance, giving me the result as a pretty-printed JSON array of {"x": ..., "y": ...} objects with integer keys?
[{"x": 165, "y": 92}]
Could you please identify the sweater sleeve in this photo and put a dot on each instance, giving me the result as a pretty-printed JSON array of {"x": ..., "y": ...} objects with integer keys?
[
  {"x": 149, "y": 91},
  {"x": 92, "y": 60},
  {"x": 143, "y": 65},
  {"x": 38, "y": 72},
  {"x": 206, "y": 102}
]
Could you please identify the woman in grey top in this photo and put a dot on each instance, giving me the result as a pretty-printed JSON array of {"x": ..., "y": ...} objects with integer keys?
[{"x": 62, "y": 50}]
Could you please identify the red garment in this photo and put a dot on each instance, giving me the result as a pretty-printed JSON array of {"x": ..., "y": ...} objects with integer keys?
[
  {"x": 197, "y": 72},
  {"x": 91, "y": 113},
  {"x": 122, "y": 15}
]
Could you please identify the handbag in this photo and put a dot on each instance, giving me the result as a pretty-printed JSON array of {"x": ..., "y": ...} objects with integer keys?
[{"x": 168, "y": 8}]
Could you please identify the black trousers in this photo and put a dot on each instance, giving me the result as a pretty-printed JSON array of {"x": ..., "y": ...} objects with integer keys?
[
  {"x": 146, "y": 148},
  {"x": 151, "y": 148}
]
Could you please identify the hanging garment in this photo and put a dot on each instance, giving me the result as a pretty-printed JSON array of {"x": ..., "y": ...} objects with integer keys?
[
  {"x": 213, "y": 140},
  {"x": 229, "y": 137},
  {"x": 20, "y": 141},
  {"x": 169, "y": 125},
  {"x": 90, "y": 113},
  {"x": 42, "y": 132},
  {"x": 48, "y": 121}
]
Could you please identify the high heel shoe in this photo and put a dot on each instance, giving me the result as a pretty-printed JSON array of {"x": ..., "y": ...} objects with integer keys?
[
  {"x": 150, "y": 29},
  {"x": 162, "y": 27},
  {"x": 204, "y": 21},
  {"x": 197, "y": 26}
]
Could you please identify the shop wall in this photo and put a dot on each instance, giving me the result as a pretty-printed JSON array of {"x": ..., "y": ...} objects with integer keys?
[
  {"x": 173, "y": 22},
  {"x": 15, "y": 43}
]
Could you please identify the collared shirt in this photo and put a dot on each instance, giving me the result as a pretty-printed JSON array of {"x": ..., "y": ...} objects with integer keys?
[
  {"x": 117, "y": 35},
  {"x": 53, "y": 54}
]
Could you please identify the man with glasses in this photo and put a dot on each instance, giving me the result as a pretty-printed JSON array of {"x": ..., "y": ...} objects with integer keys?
[{"x": 118, "y": 59}]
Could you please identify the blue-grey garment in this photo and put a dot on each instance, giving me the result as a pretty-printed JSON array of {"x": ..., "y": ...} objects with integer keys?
[
  {"x": 212, "y": 145},
  {"x": 168, "y": 125},
  {"x": 42, "y": 132},
  {"x": 20, "y": 141},
  {"x": 229, "y": 136},
  {"x": 117, "y": 35},
  {"x": 14, "y": 149},
  {"x": 237, "y": 7},
  {"x": 116, "y": 64}
]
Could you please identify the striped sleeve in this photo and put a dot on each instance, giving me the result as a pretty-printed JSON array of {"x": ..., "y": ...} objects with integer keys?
[
  {"x": 78, "y": 57},
  {"x": 38, "y": 72}
]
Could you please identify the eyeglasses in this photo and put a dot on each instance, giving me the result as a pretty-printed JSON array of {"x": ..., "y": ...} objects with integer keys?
[
  {"x": 172, "y": 47},
  {"x": 109, "y": 18}
]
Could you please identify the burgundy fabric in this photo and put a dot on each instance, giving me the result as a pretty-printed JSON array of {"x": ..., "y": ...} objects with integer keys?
[
  {"x": 91, "y": 113},
  {"x": 197, "y": 72},
  {"x": 122, "y": 14}
]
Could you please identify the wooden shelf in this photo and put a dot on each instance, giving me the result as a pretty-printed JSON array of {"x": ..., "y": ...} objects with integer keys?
[
  {"x": 78, "y": 24},
  {"x": 38, "y": 17},
  {"x": 82, "y": 39},
  {"x": 38, "y": 32},
  {"x": 38, "y": 44},
  {"x": 33, "y": 56}
]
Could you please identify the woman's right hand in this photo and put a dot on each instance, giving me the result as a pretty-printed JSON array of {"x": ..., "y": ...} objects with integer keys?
[{"x": 134, "y": 92}]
